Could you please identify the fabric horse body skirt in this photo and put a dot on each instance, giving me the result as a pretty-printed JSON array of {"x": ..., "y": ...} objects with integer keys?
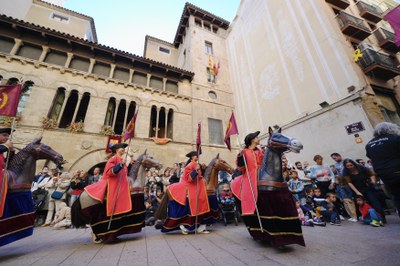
[
  {"x": 126, "y": 223},
  {"x": 180, "y": 215},
  {"x": 18, "y": 217},
  {"x": 281, "y": 224}
]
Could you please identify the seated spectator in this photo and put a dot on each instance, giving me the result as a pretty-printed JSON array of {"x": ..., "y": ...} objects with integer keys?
[
  {"x": 328, "y": 210},
  {"x": 362, "y": 181},
  {"x": 296, "y": 187},
  {"x": 62, "y": 220},
  {"x": 305, "y": 220},
  {"x": 368, "y": 214},
  {"x": 226, "y": 196},
  {"x": 345, "y": 195}
]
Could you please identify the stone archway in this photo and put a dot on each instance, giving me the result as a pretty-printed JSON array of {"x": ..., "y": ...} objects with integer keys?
[{"x": 88, "y": 160}]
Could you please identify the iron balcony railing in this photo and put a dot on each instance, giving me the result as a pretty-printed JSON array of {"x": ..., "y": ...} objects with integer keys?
[
  {"x": 345, "y": 19},
  {"x": 384, "y": 35},
  {"x": 364, "y": 7},
  {"x": 370, "y": 57},
  {"x": 339, "y": 3}
]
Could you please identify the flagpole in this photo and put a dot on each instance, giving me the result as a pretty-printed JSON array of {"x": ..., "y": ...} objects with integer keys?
[
  {"x": 8, "y": 157},
  {"x": 197, "y": 178},
  {"x": 251, "y": 187},
  {"x": 119, "y": 185}
]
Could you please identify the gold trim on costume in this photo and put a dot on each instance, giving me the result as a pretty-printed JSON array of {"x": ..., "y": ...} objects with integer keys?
[
  {"x": 110, "y": 232},
  {"x": 275, "y": 234},
  {"x": 16, "y": 231},
  {"x": 114, "y": 219}
]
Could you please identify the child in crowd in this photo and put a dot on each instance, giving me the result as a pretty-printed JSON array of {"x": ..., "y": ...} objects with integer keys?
[
  {"x": 345, "y": 195},
  {"x": 328, "y": 210},
  {"x": 226, "y": 196},
  {"x": 368, "y": 214},
  {"x": 309, "y": 208},
  {"x": 296, "y": 187},
  {"x": 305, "y": 220}
]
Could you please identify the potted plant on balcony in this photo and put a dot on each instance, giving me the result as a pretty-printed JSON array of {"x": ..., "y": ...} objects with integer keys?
[
  {"x": 106, "y": 130},
  {"x": 48, "y": 123},
  {"x": 76, "y": 127},
  {"x": 7, "y": 121}
]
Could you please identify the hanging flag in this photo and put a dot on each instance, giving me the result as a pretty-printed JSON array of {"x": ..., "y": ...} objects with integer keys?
[
  {"x": 231, "y": 129},
  {"x": 9, "y": 98},
  {"x": 112, "y": 140},
  {"x": 130, "y": 128},
  {"x": 393, "y": 17},
  {"x": 198, "y": 139},
  {"x": 216, "y": 68}
]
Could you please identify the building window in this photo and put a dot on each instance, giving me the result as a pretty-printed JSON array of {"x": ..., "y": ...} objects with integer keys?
[
  {"x": 59, "y": 17},
  {"x": 208, "y": 48},
  {"x": 214, "y": 29},
  {"x": 197, "y": 22},
  {"x": 108, "y": 121},
  {"x": 119, "y": 120},
  {"x": 57, "y": 104},
  {"x": 210, "y": 75},
  {"x": 69, "y": 110},
  {"x": 83, "y": 106},
  {"x": 153, "y": 122},
  {"x": 161, "y": 123},
  {"x": 212, "y": 95},
  {"x": 156, "y": 83},
  {"x": 171, "y": 86},
  {"x": 215, "y": 132},
  {"x": 207, "y": 26},
  {"x": 164, "y": 50}
]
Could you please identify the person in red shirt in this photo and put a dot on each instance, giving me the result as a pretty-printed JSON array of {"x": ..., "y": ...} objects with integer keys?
[{"x": 368, "y": 214}]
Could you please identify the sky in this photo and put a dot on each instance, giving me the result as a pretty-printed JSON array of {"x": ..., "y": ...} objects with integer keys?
[{"x": 123, "y": 24}]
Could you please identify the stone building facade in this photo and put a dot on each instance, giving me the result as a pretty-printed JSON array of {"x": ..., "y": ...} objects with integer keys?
[
  {"x": 292, "y": 65},
  {"x": 69, "y": 80}
]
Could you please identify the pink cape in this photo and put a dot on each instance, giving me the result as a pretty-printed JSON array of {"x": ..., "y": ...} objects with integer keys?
[
  {"x": 188, "y": 188},
  {"x": 241, "y": 185},
  {"x": 109, "y": 184}
]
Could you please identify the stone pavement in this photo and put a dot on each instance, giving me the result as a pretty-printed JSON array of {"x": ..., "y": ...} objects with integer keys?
[{"x": 349, "y": 244}]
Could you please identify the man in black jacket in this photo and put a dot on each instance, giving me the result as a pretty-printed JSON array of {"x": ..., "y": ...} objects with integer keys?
[{"x": 384, "y": 151}]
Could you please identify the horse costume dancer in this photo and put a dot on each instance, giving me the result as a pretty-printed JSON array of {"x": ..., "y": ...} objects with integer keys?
[
  {"x": 96, "y": 204},
  {"x": 278, "y": 215},
  {"x": 181, "y": 198},
  {"x": 18, "y": 216}
]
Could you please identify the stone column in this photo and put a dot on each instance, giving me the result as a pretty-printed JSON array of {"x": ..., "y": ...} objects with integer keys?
[
  {"x": 77, "y": 107},
  {"x": 45, "y": 50},
  {"x": 148, "y": 80},
  {"x": 67, "y": 94},
  {"x": 112, "y": 71},
  {"x": 166, "y": 124},
  {"x": 115, "y": 112},
  {"x": 126, "y": 115},
  {"x": 131, "y": 71},
  {"x": 164, "y": 85},
  {"x": 157, "y": 120},
  {"x": 92, "y": 62},
  {"x": 69, "y": 59},
  {"x": 16, "y": 46}
]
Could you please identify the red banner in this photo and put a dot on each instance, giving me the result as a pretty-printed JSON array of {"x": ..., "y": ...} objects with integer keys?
[
  {"x": 9, "y": 98},
  {"x": 231, "y": 129},
  {"x": 130, "y": 128},
  {"x": 112, "y": 140}
]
